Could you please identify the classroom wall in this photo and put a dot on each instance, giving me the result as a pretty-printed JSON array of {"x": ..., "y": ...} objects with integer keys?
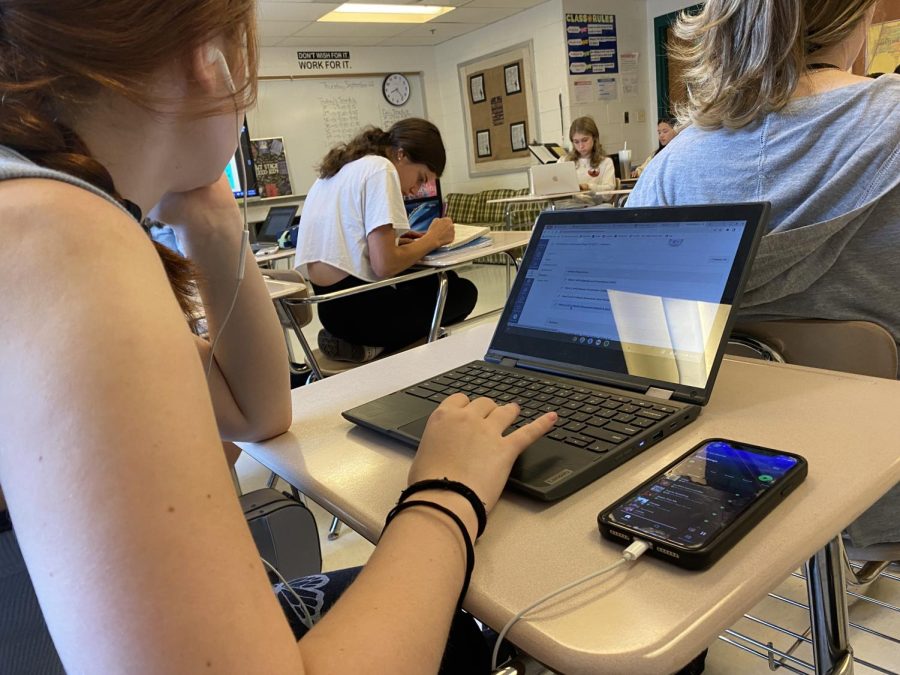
[
  {"x": 543, "y": 26},
  {"x": 631, "y": 18},
  {"x": 282, "y": 61}
]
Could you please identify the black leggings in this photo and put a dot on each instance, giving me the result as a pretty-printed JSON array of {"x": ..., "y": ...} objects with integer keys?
[{"x": 393, "y": 316}]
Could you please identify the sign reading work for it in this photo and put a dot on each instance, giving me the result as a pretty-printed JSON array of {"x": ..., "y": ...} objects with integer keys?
[
  {"x": 591, "y": 43},
  {"x": 324, "y": 60}
]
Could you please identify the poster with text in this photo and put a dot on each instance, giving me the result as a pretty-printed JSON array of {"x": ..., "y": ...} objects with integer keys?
[
  {"x": 591, "y": 43},
  {"x": 271, "y": 167}
]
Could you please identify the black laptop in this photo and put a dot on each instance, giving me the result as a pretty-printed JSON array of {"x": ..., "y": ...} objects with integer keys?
[
  {"x": 618, "y": 320},
  {"x": 278, "y": 219}
]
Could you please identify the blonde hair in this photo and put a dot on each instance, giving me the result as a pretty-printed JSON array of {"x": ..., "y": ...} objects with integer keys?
[
  {"x": 744, "y": 58},
  {"x": 586, "y": 125}
]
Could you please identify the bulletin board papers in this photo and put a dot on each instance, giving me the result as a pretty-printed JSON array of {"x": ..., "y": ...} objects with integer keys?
[
  {"x": 592, "y": 43},
  {"x": 628, "y": 62},
  {"x": 598, "y": 89}
]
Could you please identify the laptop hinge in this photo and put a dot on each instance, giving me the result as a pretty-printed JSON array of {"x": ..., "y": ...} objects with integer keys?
[
  {"x": 506, "y": 361},
  {"x": 655, "y": 392}
]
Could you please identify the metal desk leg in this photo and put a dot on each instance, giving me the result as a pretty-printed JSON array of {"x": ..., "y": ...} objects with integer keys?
[
  {"x": 828, "y": 611},
  {"x": 438, "y": 307}
]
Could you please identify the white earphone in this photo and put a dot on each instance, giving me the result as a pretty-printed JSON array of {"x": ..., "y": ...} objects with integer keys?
[{"x": 216, "y": 56}]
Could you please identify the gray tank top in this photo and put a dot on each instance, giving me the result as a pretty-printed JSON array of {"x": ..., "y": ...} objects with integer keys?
[
  {"x": 25, "y": 643},
  {"x": 13, "y": 165}
]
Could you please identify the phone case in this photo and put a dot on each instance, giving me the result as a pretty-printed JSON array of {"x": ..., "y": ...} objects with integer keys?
[{"x": 705, "y": 556}]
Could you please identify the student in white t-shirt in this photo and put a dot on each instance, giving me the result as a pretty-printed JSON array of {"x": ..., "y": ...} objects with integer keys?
[
  {"x": 347, "y": 238},
  {"x": 595, "y": 170}
]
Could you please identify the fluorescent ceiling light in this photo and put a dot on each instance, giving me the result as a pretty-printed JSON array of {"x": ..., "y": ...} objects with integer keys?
[{"x": 362, "y": 13}]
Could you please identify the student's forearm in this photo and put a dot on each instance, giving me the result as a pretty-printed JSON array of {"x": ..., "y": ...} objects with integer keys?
[
  {"x": 400, "y": 258},
  {"x": 249, "y": 379},
  {"x": 411, "y": 583}
]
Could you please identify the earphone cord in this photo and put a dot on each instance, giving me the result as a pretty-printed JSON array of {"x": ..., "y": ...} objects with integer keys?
[{"x": 245, "y": 243}]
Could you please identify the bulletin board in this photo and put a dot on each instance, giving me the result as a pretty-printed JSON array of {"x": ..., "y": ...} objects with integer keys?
[{"x": 498, "y": 95}]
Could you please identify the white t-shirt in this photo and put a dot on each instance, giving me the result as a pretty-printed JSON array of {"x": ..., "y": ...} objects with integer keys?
[{"x": 340, "y": 212}]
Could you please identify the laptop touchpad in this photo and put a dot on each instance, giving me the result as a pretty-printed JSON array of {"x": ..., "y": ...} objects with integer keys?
[{"x": 414, "y": 429}]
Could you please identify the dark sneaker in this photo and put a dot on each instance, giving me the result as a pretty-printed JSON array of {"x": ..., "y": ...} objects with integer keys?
[{"x": 341, "y": 350}]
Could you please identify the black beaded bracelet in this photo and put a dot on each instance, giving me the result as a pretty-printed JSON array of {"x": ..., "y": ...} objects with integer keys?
[
  {"x": 452, "y": 486},
  {"x": 470, "y": 550}
]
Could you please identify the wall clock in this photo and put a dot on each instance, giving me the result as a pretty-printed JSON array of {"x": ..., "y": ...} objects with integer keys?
[{"x": 396, "y": 89}]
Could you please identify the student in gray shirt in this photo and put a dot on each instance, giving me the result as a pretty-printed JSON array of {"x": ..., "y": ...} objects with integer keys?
[{"x": 774, "y": 115}]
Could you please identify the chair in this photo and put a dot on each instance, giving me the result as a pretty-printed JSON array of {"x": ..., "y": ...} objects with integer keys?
[
  {"x": 859, "y": 347},
  {"x": 294, "y": 316}
]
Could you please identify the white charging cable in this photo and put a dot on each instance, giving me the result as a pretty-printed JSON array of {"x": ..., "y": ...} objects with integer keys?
[
  {"x": 217, "y": 56},
  {"x": 305, "y": 617},
  {"x": 637, "y": 548}
]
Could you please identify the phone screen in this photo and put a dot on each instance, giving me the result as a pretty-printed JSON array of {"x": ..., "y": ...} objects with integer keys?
[{"x": 700, "y": 496}]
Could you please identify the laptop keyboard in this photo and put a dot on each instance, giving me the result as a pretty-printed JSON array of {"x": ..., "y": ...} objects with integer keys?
[{"x": 589, "y": 418}]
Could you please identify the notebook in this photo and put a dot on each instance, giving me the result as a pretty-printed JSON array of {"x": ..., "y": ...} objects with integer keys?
[
  {"x": 618, "y": 320},
  {"x": 278, "y": 219},
  {"x": 462, "y": 235}
]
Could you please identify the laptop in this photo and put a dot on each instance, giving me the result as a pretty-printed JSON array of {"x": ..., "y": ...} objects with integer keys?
[
  {"x": 618, "y": 320},
  {"x": 548, "y": 180},
  {"x": 278, "y": 219}
]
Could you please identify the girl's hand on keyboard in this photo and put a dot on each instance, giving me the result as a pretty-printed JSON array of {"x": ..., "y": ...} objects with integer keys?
[{"x": 464, "y": 441}]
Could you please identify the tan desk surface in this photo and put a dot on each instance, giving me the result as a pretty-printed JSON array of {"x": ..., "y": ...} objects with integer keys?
[
  {"x": 651, "y": 618},
  {"x": 279, "y": 289},
  {"x": 277, "y": 255}
]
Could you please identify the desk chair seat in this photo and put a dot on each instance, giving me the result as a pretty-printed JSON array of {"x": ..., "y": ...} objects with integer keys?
[{"x": 860, "y": 347}]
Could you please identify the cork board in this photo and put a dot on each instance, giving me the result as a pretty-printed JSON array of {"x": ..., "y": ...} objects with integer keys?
[{"x": 498, "y": 95}]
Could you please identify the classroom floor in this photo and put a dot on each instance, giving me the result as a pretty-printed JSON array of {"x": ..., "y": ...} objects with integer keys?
[{"x": 350, "y": 549}]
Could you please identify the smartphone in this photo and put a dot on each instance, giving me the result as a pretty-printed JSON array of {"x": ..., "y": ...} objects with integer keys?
[{"x": 697, "y": 508}]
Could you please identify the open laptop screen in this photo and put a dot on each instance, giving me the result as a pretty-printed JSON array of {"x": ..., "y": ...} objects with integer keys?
[{"x": 637, "y": 293}]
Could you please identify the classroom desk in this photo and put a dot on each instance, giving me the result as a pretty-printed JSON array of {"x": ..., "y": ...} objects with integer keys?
[
  {"x": 502, "y": 242},
  {"x": 524, "y": 199},
  {"x": 281, "y": 289},
  {"x": 269, "y": 258},
  {"x": 651, "y": 617}
]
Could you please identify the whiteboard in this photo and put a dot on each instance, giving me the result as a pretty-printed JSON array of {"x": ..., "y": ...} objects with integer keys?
[{"x": 314, "y": 114}]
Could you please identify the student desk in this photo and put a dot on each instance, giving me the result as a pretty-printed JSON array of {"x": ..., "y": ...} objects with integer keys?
[
  {"x": 502, "y": 242},
  {"x": 519, "y": 199},
  {"x": 281, "y": 289},
  {"x": 267, "y": 259},
  {"x": 650, "y": 617}
]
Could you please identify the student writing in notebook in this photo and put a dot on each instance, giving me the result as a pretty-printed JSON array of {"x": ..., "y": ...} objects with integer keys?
[
  {"x": 347, "y": 238},
  {"x": 595, "y": 170},
  {"x": 122, "y": 544}
]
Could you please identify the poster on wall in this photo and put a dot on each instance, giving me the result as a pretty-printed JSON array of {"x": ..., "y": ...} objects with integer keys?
[
  {"x": 270, "y": 160},
  {"x": 591, "y": 43},
  {"x": 628, "y": 62},
  {"x": 606, "y": 89}
]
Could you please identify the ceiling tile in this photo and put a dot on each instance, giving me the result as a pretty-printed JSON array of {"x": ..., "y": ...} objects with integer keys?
[
  {"x": 377, "y": 31},
  {"x": 302, "y": 42},
  {"x": 515, "y": 4},
  {"x": 294, "y": 11},
  {"x": 444, "y": 31},
  {"x": 269, "y": 29},
  {"x": 479, "y": 15}
]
